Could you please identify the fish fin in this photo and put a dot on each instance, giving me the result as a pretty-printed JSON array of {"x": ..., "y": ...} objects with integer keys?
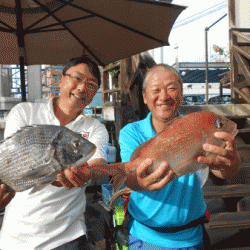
[
  {"x": 50, "y": 160},
  {"x": 28, "y": 127},
  {"x": 38, "y": 188},
  {"x": 137, "y": 150},
  {"x": 203, "y": 175}
]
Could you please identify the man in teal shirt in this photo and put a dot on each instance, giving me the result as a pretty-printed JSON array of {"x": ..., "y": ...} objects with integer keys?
[{"x": 163, "y": 205}]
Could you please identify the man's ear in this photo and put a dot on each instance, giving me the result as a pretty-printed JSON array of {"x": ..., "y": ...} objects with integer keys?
[
  {"x": 61, "y": 77},
  {"x": 144, "y": 98}
]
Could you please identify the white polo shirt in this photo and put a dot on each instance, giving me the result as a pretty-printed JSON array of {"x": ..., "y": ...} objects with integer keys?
[{"x": 53, "y": 216}]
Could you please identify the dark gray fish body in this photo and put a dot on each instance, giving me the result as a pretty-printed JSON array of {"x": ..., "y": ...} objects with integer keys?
[{"x": 33, "y": 156}]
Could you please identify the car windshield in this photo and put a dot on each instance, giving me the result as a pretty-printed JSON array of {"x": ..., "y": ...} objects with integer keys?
[{"x": 220, "y": 99}]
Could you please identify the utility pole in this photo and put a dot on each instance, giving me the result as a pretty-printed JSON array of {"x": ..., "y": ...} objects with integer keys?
[
  {"x": 162, "y": 56},
  {"x": 206, "y": 53},
  {"x": 176, "y": 53}
]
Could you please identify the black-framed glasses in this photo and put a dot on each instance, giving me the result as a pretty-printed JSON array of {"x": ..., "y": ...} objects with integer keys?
[{"x": 91, "y": 84}]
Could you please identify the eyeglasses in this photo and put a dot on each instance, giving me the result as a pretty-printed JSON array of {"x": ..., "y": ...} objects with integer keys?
[{"x": 91, "y": 84}]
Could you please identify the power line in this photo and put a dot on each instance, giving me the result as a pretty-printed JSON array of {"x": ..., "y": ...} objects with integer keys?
[
  {"x": 215, "y": 6},
  {"x": 198, "y": 16}
]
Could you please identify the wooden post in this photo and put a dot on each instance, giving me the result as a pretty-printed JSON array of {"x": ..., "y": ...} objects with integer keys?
[
  {"x": 21, "y": 47},
  {"x": 232, "y": 42}
]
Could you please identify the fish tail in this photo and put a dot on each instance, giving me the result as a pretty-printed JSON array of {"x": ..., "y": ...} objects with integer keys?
[
  {"x": 114, "y": 169},
  {"x": 203, "y": 174},
  {"x": 118, "y": 180}
]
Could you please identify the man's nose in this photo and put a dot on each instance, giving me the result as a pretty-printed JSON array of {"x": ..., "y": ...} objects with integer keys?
[
  {"x": 81, "y": 86},
  {"x": 164, "y": 95}
]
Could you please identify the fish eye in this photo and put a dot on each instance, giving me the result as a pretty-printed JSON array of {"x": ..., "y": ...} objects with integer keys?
[
  {"x": 76, "y": 143},
  {"x": 219, "y": 124}
]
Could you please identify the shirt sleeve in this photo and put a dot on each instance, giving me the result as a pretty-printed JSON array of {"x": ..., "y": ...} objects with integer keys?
[
  {"x": 15, "y": 120},
  {"x": 99, "y": 136},
  {"x": 128, "y": 141}
]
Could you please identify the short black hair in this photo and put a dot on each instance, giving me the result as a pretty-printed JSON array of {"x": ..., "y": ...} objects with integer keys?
[{"x": 85, "y": 60}]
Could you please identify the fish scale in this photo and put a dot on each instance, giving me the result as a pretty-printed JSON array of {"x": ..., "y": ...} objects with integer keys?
[
  {"x": 186, "y": 135},
  {"x": 33, "y": 156},
  {"x": 27, "y": 158}
]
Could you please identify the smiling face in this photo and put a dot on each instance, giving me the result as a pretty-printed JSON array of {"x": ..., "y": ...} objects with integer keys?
[
  {"x": 163, "y": 96},
  {"x": 77, "y": 95}
]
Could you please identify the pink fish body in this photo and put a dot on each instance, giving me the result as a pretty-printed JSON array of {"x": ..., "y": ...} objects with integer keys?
[{"x": 179, "y": 144}]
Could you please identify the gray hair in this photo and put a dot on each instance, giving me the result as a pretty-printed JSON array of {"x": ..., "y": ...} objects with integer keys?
[{"x": 161, "y": 67}]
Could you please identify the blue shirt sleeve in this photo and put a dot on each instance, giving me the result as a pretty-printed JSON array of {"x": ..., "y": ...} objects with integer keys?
[{"x": 129, "y": 140}]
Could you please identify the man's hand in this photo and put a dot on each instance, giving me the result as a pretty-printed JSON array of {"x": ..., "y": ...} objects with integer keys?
[
  {"x": 73, "y": 177},
  {"x": 156, "y": 180},
  {"x": 5, "y": 198},
  {"x": 227, "y": 162},
  {"x": 78, "y": 176}
]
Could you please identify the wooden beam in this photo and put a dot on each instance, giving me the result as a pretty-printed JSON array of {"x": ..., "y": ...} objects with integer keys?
[
  {"x": 231, "y": 11},
  {"x": 243, "y": 50},
  {"x": 241, "y": 35},
  {"x": 21, "y": 46},
  {"x": 241, "y": 248},
  {"x": 110, "y": 68},
  {"x": 235, "y": 220},
  {"x": 131, "y": 82},
  {"x": 111, "y": 90},
  {"x": 244, "y": 96},
  {"x": 234, "y": 75},
  {"x": 226, "y": 191},
  {"x": 242, "y": 63}
]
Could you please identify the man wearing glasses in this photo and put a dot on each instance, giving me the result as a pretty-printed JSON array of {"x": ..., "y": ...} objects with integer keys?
[{"x": 53, "y": 218}]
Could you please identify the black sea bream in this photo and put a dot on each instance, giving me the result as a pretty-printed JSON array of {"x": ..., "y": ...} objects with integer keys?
[{"x": 33, "y": 156}]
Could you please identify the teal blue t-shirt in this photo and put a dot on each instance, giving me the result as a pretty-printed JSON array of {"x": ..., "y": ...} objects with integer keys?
[{"x": 177, "y": 204}]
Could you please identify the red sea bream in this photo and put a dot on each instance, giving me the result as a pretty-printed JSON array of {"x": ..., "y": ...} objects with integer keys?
[{"x": 179, "y": 144}]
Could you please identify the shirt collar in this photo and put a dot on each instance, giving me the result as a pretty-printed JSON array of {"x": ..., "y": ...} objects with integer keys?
[
  {"x": 50, "y": 107},
  {"x": 146, "y": 126}
]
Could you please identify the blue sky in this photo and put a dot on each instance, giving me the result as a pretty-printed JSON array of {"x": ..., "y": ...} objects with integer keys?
[{"x": 190, "y": 38}]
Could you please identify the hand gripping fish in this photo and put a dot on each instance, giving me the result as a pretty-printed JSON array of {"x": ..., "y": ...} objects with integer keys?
[
  {"x": 179, "y": 144},
  {"x": 33, "y": 156}
]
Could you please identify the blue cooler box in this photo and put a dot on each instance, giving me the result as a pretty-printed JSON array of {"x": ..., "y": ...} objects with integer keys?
[
  {"x": 111, "y": 153},
  {"x": 107, "y": 193}
]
